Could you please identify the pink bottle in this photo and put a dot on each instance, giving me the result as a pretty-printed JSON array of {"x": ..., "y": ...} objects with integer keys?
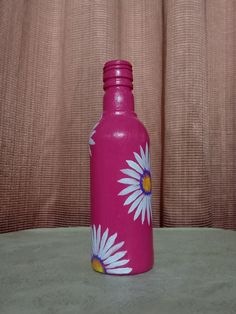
[{"x": 121, "y": 185}]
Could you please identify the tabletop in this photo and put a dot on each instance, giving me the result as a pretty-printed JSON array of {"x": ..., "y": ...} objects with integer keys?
[{"x": 48, "y": 271}]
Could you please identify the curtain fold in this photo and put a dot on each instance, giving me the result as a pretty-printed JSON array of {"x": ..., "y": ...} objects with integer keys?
[
  {"x": 186, "y": 176},
  {"x": 51, "y": 58}
]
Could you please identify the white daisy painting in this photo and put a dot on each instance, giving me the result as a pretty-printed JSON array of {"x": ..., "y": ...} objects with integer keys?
[
  {"x": 91, "y": 140},
  {"x": 107, "y": 256},
  {"x": 139, "y": 185}
]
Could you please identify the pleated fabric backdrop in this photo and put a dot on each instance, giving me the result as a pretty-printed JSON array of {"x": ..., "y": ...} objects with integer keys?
[{"x": 51, "y": 57}]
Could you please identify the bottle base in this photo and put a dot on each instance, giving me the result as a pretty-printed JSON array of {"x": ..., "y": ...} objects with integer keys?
[{"x": 121, "y": 271}]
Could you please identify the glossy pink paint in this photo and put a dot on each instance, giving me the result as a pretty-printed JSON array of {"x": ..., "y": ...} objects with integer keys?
[{"x": 121, "y": 231}]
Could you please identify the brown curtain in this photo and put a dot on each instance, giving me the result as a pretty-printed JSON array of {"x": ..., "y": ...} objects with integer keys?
[{"x": 51, "y": 57}]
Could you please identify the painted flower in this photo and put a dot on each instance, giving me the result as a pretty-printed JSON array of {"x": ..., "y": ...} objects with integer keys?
[
  {"x": 91, "y": 140},
  {"x": 106, "y": 255},
  {"x": 139, "y": 189}
]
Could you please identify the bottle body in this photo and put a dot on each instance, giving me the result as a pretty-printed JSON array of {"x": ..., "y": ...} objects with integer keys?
[{"x": 120, "y": 190}]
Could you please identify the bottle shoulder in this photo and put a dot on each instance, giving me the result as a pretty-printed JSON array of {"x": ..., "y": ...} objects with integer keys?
[
  {"x": 120, "y": 126},
  {"x": 120, "y": 121}
]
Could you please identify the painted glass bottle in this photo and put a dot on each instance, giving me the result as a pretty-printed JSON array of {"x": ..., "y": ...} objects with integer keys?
[{"x": 121, "y": 186}]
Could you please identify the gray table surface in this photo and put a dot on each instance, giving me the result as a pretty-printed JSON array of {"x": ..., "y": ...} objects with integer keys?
[{"x": 48, "y": 271}]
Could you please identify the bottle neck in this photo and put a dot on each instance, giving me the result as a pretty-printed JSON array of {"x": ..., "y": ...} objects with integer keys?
[{"x": 118, "y": 99}]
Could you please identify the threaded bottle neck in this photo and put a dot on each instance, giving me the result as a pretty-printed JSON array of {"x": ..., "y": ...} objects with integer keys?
[
  {"x": 117, "y": 73},
  {"x": 118, "y": 96}
]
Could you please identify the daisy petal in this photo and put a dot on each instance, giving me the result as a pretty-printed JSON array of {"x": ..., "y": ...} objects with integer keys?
[
  {"x": 144, "y": 209},
  {"x": 91, "y": 141},
  {"x": 139, "y": 160},
  {"x": 113, "y": 249},
  {"x": 129, "y": 189},
  {"x": 131, "y": 173},
  {"x": 94, "y": 238},
  {"x": 117, "y": 264},
  {"x": 98, "y": 239},
  {"x": 135, "y": 166},
  {"x": 147, "y": 154},
  {"x": 150, "y": 206},
  {"x": 110, "y": 242},
  {"x": 128, "y": 181},
  {"x": 139, "y": 209},
  {"x": 120, "y": 271},
  {"x": 135, "y": 203},
  {"x": 148, "y": 213},
  {"x": 103, "y": 241},
  {"x": 114, "y": 257},
  {"x": 96, "y": 124},
  {"x": 132, "y": 197},
  {"x": 142, "y": 155}
]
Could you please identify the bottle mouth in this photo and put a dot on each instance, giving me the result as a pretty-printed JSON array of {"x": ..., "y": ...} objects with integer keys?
[{"x": 117, "y": 73}]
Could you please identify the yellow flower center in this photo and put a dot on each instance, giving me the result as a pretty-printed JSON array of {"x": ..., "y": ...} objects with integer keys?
[
  {"x": 147, "y": 183},
  {"x": 97, "y": 265}
]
